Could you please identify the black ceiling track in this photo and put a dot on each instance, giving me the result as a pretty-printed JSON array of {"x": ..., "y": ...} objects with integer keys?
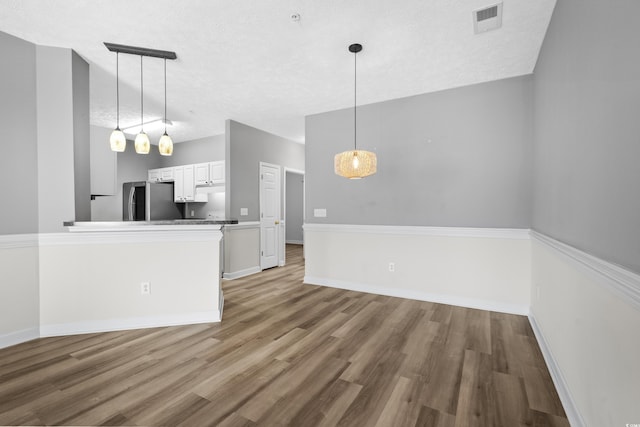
[{"x": 140, "y": 51}]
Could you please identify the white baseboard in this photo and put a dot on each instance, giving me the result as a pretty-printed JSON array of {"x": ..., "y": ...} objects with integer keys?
[
  {"x": 109, "y": 325},
  {"x": 241, "y": 273},
  {"x": 221, "y": 304},
  {"x": 421, "y": 296},
  {"x": 18, "y": 337},
  {"x": 575, "y": 419},
  {"x": 294, "y": 242}
]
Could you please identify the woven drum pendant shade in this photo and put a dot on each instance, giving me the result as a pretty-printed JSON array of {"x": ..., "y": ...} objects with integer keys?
[{"x": 355, "y": 164}]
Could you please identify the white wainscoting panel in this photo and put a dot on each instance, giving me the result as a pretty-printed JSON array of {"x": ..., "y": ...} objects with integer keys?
[
  {"x": 480, "y": 268},
  {"x": 19, "y": 289},
  {"x": 241, "y": 249},
  {"x": 586, "y": 317}
]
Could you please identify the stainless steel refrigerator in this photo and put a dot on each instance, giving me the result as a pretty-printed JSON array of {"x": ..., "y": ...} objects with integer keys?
[{"x": 148, "y": 201}]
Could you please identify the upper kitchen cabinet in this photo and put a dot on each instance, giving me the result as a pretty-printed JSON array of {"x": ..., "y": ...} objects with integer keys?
[
  {"x": 216, "y": 172},
  {"x": 201, "y": 172},
  {"x": 161, "y": 175},
  {"x": 183, "y": 184},
  {"x": 103, "y": 163},
  {"x": 210, "y": 173}
]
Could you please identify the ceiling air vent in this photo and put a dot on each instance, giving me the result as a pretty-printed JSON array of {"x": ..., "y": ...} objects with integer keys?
[{"x": 487, "y": 19}]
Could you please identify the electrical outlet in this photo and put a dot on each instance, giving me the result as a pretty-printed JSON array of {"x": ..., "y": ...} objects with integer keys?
[
  {"x": 244, "y": 211},
  {"x": 392, "y": 267},
  {"x": 145, "y": 288},
  {"x": 193, "y": 213}
]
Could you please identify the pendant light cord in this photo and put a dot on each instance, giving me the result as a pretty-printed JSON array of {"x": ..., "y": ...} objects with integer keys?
[
  {"x": 118, "y": 90},
  {"x": 141, "y": 99},
  {"x": 165, "y": 96},
  {"x": 355, "y": 101}
]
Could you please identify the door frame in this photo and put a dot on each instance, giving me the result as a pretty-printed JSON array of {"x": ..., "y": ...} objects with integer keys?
[
  {"x": 278, "y": 207},
  {"x": 284, "y": 209}
]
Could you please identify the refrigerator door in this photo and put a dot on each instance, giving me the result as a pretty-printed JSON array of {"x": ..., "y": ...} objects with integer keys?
[
  {"x": 159, "y": 202},
  {"x": 133, "y": 201}
]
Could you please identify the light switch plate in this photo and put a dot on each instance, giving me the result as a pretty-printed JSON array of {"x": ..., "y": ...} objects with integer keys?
[
  {"x": 320, "y": 213},
  {"x": 244, "y": 211}
]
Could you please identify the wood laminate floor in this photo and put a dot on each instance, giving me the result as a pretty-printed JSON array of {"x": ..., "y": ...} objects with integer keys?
[{"x": 291, "y": 354}]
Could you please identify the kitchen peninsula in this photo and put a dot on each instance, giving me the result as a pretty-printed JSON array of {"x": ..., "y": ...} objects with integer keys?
[{"x": 104, "y": 276}]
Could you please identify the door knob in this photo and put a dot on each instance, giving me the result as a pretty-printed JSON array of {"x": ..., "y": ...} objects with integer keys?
[{"x": 277, "y": 222}]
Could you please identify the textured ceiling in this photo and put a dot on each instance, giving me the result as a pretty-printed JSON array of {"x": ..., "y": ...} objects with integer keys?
[{"x": 247, "y": 60}]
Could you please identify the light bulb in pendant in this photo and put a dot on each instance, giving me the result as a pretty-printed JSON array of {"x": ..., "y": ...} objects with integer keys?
[
  {"x": 356, "y": 162},
  {"x": 165, "y": 145},
  {"x": 142, "y": 143},
  {"x": 118, "y": 141}
]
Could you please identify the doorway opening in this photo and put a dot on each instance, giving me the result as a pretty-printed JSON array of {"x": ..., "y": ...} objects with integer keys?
[{"x": 294, "y": 207}]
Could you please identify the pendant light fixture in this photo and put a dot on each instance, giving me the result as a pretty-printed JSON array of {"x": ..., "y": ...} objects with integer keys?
[
  {"x": 165, "y": 145},
  {"x": 142, "y": 144},
  {"x": 142, "y": 140},
  {"x": 117, "y": 140},
  {"x": 355, "y": 164}
]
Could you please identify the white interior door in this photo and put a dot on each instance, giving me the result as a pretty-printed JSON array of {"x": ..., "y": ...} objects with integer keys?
[{"x": 269, "y": 214}]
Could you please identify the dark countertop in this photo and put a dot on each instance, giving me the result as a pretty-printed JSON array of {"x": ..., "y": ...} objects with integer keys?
[{"x": 107, "y": 224}]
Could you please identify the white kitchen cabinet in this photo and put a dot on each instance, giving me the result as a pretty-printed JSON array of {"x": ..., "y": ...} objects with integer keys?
[
  {"x": 183, "y": 184},
  {"x": 216, "y": 172},
  {"x": 209, "y": 173},
  {"x": 189, "y": 190},
  {"x": 166, "y": 174},
  {"x": 201, "y": 173},
  {"x": 153, "y": 175},
  {"x": 160, "y": 175}
]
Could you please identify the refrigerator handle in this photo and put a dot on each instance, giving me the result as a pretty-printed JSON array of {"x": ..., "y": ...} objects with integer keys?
[{"x": 132, "y": 194}]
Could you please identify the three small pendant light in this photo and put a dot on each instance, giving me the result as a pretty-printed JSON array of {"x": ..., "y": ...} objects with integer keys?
[{"x": 142, "y": 145}]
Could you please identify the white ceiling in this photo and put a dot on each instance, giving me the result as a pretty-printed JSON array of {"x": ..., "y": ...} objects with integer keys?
[{"x": 247, "y": 60}]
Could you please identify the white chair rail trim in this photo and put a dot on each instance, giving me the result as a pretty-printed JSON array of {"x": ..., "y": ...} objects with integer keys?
[
  {"x": 498, "y": 233},
  {"x": 116, "y": 237},
  {"x": 624, "y": 283},
  {"x": 13, "y": 241}
]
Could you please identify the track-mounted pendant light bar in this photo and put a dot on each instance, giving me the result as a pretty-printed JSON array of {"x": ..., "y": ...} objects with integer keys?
[
  {"x": 117, "y": 140},
  {"x": 141, "y": 51}
]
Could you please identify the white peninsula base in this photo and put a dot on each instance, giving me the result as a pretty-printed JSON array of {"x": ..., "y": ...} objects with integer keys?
[{"x": 92, "y": 278}]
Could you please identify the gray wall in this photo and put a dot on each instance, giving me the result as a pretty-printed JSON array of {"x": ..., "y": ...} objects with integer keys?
[
  {"x": 587, "y": 127},
  {"x": 103, "y": 162},
  {"x": 18, "y": 136},
  {"x": 294, "y": 204},
  {"x": 56, "y": 179},
  {"x": 459, "y": 157},
  {"x": 246, "y": 148},
  {"x": 81, "y": 137},
  {"x": 208, "y": 149},
  {"x": 131, "y": 167}
]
